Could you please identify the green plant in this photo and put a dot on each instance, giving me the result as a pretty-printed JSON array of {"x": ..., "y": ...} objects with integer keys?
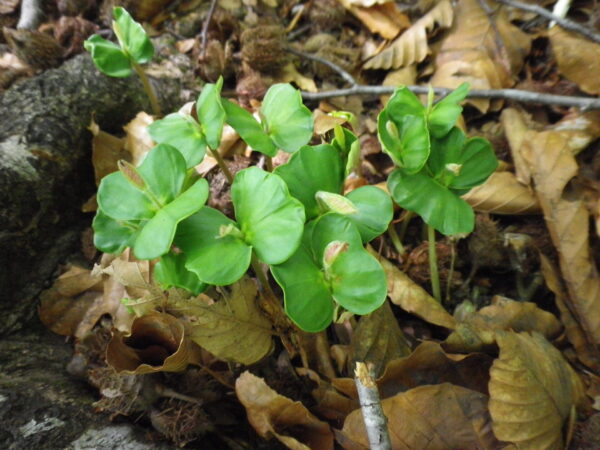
[
  {"x": 121, "y": 60},
  {"x": 436, "y": 163}
]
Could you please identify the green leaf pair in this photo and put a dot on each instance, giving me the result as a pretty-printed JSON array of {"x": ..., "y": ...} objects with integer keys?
[
  {"x": 134, "y": 46},
  {"x": 141, "y": 207},
  {"x": 269, "y": 221},
  {"x": 285, "y": 122},
  {"x": 330, "y": 266}
]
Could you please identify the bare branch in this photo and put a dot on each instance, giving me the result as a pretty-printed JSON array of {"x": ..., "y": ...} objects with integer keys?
[
  {"x": 370, "y": 405},
  {"x": 345, "y": 75},
  {"x": 204, "y": 33}
]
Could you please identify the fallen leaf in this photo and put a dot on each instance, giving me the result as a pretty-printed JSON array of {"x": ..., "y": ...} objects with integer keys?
[
  {"x": 576, "y": 65},
  {"x": 289, "y": 74},
  {"x": 107, "y": 150},
  {"x": 532, "y": 391},
  {"x": 384, "y": 17},
  {"x": 404, "y": 76},
  {"x": 137, "y": 139},
  {"x": 315, "y": 351},
  {"x": 503, "y": 194},
  {"x": 478, "y": 331},
  {"x": 157, "y": 343},
  {"x": 378, "y": 339},
  {"x": 234, "y": 328},
  {"x": 271, "y": 414},
  {"x": 326, "y": 122},
  {"x": 516, "y": 129},
  {"x": 488, "y": 52},
  {"x": 77, "y": 280},
  {"x": 411, "y": 46},
  {"x": 62, "y": 315},
  {"x": 411, "y": 297},
  {"x": 437, "y": 417}
]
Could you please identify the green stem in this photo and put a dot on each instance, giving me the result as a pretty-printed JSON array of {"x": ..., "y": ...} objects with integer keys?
[
  {"x": 148, "y": 89},
  {"x": 433, "y": 268},
  {"x": 222, "y": 165},
  {"x": 261, "y": 276},
  {"x": 393, "y": 234},
  {"x": 409, "y": 215},
  {"x": 451, "y": 274},
  {"x": 269, "y": 163}
]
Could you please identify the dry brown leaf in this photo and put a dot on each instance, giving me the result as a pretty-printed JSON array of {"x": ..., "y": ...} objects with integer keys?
[
  {"x": 107, "y": 150},
  {"x": 585, "y": 351},
  {"x": 411, "y": 297},
  {"x": 486, "y": 52},
  {"x": 577, "y": 58},
  {"x": 157, "y": 343},
  {"x": 234, "y": 328},
  {"x": 137, "y": 139},
  {"x": 516, "y": 129},
  {"x": 503, "y": 194},
  {"x": 430, "y": 364},
  {"x": 289, "y": 74},
  {"x": 77, "y": 280},
  {"x": 62, "y": 315},
  {"x": 553, "y": 165},
  {"x": 478, "y": 331},
  {"x": 532, "y": 391},
  {"x": 384, "y": 18},
  {"x": 315, "y": 351},
  {"x": 378, "y": 339},
  {"x": 271, "y": 414},
  {"x": 411, "y": 46},
  {"x": 443, "y": 416},
  {"x": 326, "y": 122}
]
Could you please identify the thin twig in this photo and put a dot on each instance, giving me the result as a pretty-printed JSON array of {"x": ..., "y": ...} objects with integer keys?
[
  {"x": 31, "y": 15},
  {"x": 370, "y": 405},
  {"x": 204, "y": 32},
  {"x": 345, "y": 75},
  {"x": 565, "y": 23},
  {"x": 583, "y": 103}
]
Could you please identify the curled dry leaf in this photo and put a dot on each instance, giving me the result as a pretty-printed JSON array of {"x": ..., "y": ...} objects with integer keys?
[
  {"x": 479, "y": 329},
  {"x": 157, "y": 343},
  {"x": 430, "y": 364},
  {"x": 576, "y": 65},
  {"x": 107, "y": 150},
  {"x": 137, "y": 139},
  {"x": 411, "y": 297},
  {"x": 532, "y": 391},
  {"x": 503, "y": 194},
  {"x": 381, "y": 17},
  {"x": 587, "y": 353},
  {"x": 440, "y": 416},
  {"x": 378, "y": 339},
  {"x": 411, "y": 46},
  {"x": 234, "y": 328},
  {"x": 271, "y": 414},
  {"x": 485, "y": 50},
  {"x": 62, "y": 315}
]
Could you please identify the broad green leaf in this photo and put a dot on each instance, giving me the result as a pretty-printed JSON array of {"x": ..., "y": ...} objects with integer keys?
[
  {"x": 132, "y": 36},
  {"x": 157, "y": 235},
  {"x": 307, "y": 298},
  {"x": 375, "y": 211},
  {"x": 121, "y": 200},
  {"x": 389, "y": 138},
  {"x": 403, "y": 102},
  {"x": 112, "y": 236},
  {"x": 312, "y": 169},
  {"x": 445, "y": 113},
  {"x": 407, "y": 141},
  {"x": 286, "y": 120},
  {"x": 182, "y": 132},
  {"x": 333, "y": 227},
  {"x": 164, "y": 171},
  {"x": 445, "y": 150},
  {"x": 248, "y": 128},
  {"x": 348, "y": 145},
  {"x": 216, "y": 259},
  {"x": 271, "y": 220},
  {"x": 170, "y": 271},
  {"x": 438, "y": 206},
  {"x": 478, "y": 161},
  {"x": 357, "y": 281},
  {"x": 211, "y": 113},
  {"x": 108, "y": 57}
]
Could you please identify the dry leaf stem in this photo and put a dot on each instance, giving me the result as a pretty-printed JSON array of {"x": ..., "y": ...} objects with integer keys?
[
  {"x": 565, "y": 23},
  {"x": 370, "y": 405}
]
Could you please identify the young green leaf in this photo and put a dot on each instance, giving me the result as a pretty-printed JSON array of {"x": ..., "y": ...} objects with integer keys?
[
  {"x": 113, "y": 236},
  {"x": 164, "y": 171},
  {"x": 436, "y": 204},
  {"x": 215, "y": 256},
  {"x": 171, "y": 271},
  {"x": 108, "y": 57},
  {"x": 182, "y": 132},
  {"x": 132, "y": 37},
  {"x": 312, "y": 169},
  {"x": 285, "y": 118},
  {"x": 121, "y": 200},
  {"x": 375, "y": 211},
  {"x": 211, "y": 113},
  {"x": 248, "y": 128},
  {"x": 445, "y": 113},
  {"x": 333, "y": 227},
  {"x": 402, "y": 103},
  {"x": 271, "y": 220}
]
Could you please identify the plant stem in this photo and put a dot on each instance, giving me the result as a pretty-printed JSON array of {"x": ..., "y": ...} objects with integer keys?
[
  {"x": 269, "y": 163},
  {"x": 222, "y": 165},
  {"x": 451, "y": 274},
  {"x": 393, "y": 234},
  {"x": 261, "y": 276},
  {"x": 409, "y": 215},
  {"x": 433, "y": 268},
  {"x": 148, "y": 89}
]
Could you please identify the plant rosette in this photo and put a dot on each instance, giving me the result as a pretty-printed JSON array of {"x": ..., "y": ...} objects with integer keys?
[
  {"x": 330, "y": 267},
  {"x": 134, "y": 46},
  {"x": 141, "y": 207},
  {"x": 269, "y": 222}
]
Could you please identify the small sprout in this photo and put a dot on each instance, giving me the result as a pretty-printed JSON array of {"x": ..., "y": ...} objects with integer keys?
[
  {"x": 454, "y": 168},
  {"x": 329, "y": 201},
  {"x": 392, "y": 129},
  {"x": 331, "y": 253},
  {"x": 230, "y": 230}
]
